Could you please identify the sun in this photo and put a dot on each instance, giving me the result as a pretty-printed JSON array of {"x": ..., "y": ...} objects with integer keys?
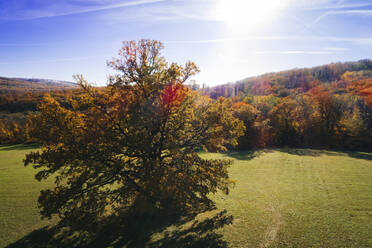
[{"x": 248, "y": 14}]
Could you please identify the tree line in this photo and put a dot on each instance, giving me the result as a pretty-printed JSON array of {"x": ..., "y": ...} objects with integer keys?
[
  {"x": 16, "y": 106},
  {"x": 317, "y": 119},
  {"x": 327, "y": 106}
]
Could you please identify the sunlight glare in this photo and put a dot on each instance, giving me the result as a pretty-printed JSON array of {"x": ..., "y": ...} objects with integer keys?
[{"x": 248, "y": 14}]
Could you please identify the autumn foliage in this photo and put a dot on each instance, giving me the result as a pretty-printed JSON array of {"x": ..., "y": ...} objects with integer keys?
[
  {"x": 134, "y": 144},
  {"x": 173, "y": 95},
  {"x": 317, "y": 107}
]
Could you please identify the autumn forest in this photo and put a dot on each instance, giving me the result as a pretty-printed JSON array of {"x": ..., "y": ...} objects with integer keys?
[{"x": 328, "y": 106}]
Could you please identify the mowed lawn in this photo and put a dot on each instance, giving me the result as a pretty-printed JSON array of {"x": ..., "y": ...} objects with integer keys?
[
  {"x": 282, "y": 198},
  {"x": 299, "y": 198},
  {"x": 19, "y": 191}
]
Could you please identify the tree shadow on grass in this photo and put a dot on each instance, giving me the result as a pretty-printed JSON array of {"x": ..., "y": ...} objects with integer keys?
[
  {"x": 307, "y": 152},
  {"x": 361, "y": 155},
  {"x": 317, "y": 153},
  {"x": 19, "y": 147},
  {"x": 134, "y": 231},
  {"x": 246, "y": 155},
  {"x": 200, "y": 234}
]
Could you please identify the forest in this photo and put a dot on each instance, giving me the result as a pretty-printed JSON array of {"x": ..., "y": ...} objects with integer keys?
[{"x": 327, "y": 106}]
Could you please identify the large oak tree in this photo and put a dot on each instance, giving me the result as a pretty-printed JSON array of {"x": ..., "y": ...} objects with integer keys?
[{"x": 133, "y": 143}]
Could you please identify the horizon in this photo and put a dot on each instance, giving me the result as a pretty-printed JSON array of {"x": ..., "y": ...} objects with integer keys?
[
  {"x": 192, "y": 81},
  {"x": 228, "y": 40}
]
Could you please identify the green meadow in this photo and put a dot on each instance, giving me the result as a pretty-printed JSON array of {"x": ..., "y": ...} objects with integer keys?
[
  {"x": 281, "y": 198},
  {"x": 19, "y": 191}
]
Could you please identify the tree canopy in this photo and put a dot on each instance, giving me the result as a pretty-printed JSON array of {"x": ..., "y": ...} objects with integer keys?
[{"x": 134, "y": 142}]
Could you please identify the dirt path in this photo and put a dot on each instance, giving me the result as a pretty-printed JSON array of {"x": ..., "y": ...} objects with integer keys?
[{"x": 272, "y": 231}]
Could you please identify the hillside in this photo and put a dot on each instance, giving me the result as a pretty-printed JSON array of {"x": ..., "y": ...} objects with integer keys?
[
  {"x": 21, "y": 85},
  {"x": 19, "y": 97},
  {"x": 339, "y": 78},
  {"x": 323, "y": 106},
  {"x": 22, "y": 94}
]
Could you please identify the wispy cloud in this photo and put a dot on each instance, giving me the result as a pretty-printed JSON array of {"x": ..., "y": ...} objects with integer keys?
[
  {"x": 366, "y": 40},
  {"x": 48, "y": 60},
  {"x": 294, "y": 52},
  {"x": 341, "y": 49},
  {"x": 23, "y": 44},
  {"x": 351, "y": 12},
  {"x": 322, "y": 51},
  {"x": 341, "y": 6},
  {"x": 223, "y": 40},
  {"x": 49, "y": 12},
  {"x": 342, "y": 11},
  {"x": 169, "y": 11}
]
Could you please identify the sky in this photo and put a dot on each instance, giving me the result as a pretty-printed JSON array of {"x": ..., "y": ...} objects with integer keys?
[{"x": 228, "y": 39}]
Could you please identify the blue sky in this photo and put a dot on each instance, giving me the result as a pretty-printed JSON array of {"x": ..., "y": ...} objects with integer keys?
[{"x": 228, "y": 39}]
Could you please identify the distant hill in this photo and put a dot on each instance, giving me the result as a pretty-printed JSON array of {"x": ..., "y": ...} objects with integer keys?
[
  {"x": 341, "y": 77},
  {"x": 21, "y": 95},
  {"x": 21, "y": 85}
]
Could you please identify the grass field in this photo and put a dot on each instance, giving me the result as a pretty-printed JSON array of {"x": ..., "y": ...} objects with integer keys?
[
  {"x": 282, "y": 198},
  {"x": 18, "y": 195}
]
